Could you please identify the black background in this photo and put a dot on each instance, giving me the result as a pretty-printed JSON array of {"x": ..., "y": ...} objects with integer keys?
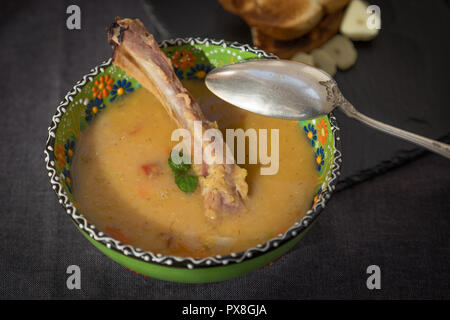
[{"x": 399, "y": 220}]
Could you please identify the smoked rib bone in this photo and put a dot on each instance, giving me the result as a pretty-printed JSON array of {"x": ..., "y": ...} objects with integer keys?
[{"x": 136, "y": 51}]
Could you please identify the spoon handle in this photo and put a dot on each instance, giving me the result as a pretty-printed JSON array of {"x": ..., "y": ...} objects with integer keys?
[{"x": 432, "y": 145}]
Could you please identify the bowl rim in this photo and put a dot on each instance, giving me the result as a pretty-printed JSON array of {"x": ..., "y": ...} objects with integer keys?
[{"x": 298, "y": 228}]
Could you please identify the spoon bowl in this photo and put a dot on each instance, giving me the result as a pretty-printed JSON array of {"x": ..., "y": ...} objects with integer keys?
[{"x": 274, "y": 88}]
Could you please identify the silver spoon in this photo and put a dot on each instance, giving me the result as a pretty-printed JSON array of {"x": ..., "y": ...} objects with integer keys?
[{"x": 292, "y": 90}]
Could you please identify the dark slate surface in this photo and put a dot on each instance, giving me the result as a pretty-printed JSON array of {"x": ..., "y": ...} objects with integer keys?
[{"x": 399, "y": 220}]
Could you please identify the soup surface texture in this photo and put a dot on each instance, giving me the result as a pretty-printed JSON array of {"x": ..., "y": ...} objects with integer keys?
[{"x": 123, "y": 184}]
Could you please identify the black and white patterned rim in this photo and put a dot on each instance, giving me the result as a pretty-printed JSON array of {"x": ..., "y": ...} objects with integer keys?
[{"x": 174, "y": 261}]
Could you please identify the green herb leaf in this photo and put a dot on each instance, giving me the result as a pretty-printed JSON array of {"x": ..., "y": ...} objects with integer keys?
[
  {"x": 186, "y": 183},
  {"x": 179, "y": 168}
]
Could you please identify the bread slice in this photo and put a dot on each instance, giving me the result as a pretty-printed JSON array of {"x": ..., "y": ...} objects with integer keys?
[
  {"x": 325, "y": 30},
  {"x": 238, "y": 7},
  {"x": 331, "y": 6},
  {"x": 281, "y": 20}
]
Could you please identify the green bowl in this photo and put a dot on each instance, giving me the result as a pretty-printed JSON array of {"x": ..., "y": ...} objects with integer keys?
[{"x": 192, "y": 59}]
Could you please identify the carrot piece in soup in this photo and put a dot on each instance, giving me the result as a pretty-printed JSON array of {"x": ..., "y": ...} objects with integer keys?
[
  {"x": 143, "y": 192},
  {"x": 151, "y": 169},
  {"x": 134, "y": 131}
]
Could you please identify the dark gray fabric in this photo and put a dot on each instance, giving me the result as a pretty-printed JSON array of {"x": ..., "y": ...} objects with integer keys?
[{"x": 399, "y": 221}]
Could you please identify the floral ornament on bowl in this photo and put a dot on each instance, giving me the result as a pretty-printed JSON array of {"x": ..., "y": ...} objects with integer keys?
[
  {"x": 179, "y": 73},
  {"x": 67, "y": 179},
  {"x": 311, "y": 133},
  {"x": 102, "y": 86},
  {"x": 183, "y": 59},
  {"x": 69, "y": 149},
  {"x": 60, "y": 156},
  {"x": 322, "y": 131},
  {"x": 199, "y": 71},
  {"x": 93, "y": 108},
  {"x": 316, "y": 197},
  {"x": 120, "y": 88},
  {"x": 320, "y": 158}
]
